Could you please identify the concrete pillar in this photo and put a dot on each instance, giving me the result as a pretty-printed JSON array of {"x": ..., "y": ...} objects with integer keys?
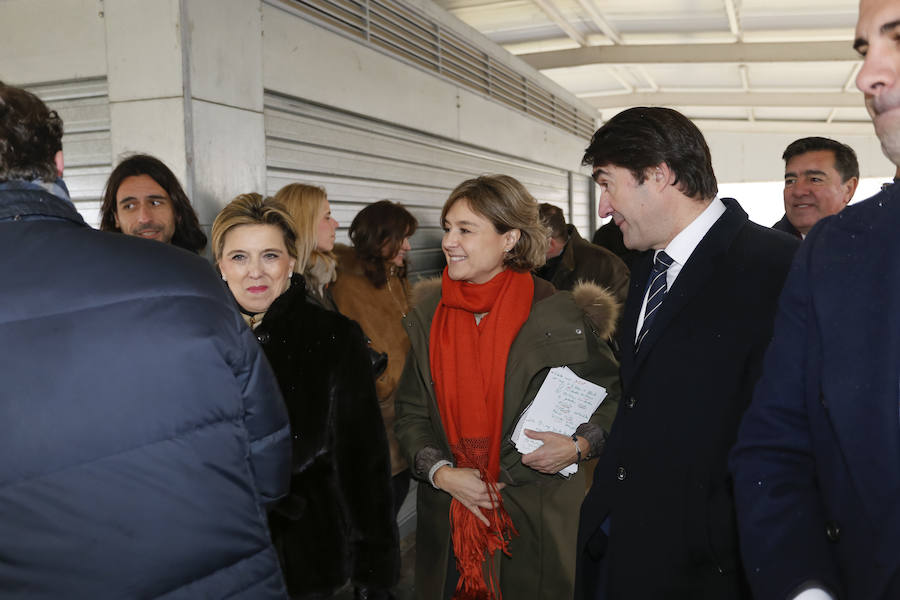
[{"x": 185, "y": 84}]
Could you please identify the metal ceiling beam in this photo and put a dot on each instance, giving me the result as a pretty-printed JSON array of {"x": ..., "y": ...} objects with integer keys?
[
  {"x": 550, "y": 9},
  {"x": 741, "y": 52},
  {"x": 733, "y": 22},
  {"x": 600, "y": 21},
  {"x": 729, "y": 98},
  {"x": 851, "y": 79}
]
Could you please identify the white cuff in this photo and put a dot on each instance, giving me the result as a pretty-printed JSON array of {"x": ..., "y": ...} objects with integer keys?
[
  {"x": 815, "y": 593},
  {"x": 433, "y": 470}
]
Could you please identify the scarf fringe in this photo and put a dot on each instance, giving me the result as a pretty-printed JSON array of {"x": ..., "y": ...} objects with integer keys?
[{"x": 474, "y": 545}]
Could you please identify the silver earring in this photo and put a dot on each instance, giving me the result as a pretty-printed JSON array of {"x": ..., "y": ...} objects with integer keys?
[{"x": 223, "y": 277}]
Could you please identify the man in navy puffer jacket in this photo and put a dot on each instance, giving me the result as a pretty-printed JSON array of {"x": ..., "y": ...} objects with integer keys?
[{"x": 142, "y": 434}]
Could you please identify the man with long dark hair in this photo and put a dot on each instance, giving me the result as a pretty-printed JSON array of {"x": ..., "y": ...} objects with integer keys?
[{"x": 143, "y": 198}]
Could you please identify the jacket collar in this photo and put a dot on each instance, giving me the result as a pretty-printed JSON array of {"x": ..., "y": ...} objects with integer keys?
[
  {"x": 36, "y": 199},
  {"x": 699, "y": 268},
  {"x": 567, "y": 258},
  {"x": 787, "y": 227}
]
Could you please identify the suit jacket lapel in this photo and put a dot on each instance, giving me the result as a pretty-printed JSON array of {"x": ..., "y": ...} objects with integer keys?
[
  {"x": 694, "y": 275},
  {"x": 628, "y": 332}
]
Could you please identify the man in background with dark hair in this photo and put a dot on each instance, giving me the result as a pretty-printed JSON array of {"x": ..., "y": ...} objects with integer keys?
[
  {"x": 571, "y": 259},
  {"x": 142, "y": 434},
  {"x": 659, "y": 520},
  {"x": 143, "y": 198},
  {"x": 820, "y": 177}
]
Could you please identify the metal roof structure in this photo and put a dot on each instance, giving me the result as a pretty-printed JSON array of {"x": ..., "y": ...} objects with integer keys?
[{"x": 743, "y": 64}]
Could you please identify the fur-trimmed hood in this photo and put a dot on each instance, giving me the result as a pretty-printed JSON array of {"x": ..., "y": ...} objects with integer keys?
[{"x": 598, "y": 303}]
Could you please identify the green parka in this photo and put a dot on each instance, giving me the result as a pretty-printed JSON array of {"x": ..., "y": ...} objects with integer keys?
[{"x": 562, "y": 329}]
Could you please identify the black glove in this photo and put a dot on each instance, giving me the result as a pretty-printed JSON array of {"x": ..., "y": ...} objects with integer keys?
[{"x": 379, "y": 359}]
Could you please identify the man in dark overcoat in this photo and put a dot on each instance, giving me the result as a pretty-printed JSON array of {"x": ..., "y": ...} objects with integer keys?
[
  {"x": 817, "y": 463},
  {"x": 659, "y": 519}
]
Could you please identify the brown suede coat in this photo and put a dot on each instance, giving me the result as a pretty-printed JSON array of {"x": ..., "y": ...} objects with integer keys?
[
  {"x": 379, "y": 313},
  {"x": 563, "y": 328}
]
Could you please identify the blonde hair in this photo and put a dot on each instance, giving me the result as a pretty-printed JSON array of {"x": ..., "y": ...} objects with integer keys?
[
  {"x": 304, "y": 203},
  {"x": 506, "y": 203},
  {"x": 253, "y": 209}
]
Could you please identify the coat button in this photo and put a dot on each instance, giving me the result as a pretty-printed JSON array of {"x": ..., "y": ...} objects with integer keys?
[
  {"x": 264, "y": 337},
  {"x": 630, "y": 402},
  {"x": 578, "y": 331},
  {"x": 621, "y": 474},
  {"x": 832, "y": 531}
]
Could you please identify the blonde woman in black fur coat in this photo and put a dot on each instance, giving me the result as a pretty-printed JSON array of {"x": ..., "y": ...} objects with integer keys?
[{"x": 336, "y": 523}]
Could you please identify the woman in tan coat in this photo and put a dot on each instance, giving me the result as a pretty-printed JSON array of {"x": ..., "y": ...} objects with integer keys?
[{"x": 372, "y": 289}]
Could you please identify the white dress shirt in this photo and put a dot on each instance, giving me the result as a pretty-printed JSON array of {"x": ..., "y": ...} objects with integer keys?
[
  {"x": 681, "y": 247},
  {"x": 815, "y": 593}
]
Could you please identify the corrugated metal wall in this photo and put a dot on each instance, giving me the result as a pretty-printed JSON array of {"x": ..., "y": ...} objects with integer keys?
[
  {"x": 359, "y": 160},
  {"x": 83, "y": 106}
]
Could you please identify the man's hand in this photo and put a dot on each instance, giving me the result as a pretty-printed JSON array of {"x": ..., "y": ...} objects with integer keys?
[{"x": 467, "y": 487}]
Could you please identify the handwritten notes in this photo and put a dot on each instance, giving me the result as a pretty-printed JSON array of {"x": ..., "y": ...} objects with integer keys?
[{"x": 564, "y": 402}]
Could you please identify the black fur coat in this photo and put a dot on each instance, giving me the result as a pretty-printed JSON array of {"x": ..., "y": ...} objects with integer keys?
[{"x": 336, "y": 523}]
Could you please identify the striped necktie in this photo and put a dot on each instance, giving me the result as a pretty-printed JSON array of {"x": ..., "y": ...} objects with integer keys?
[{"x": 656, "y": 293}]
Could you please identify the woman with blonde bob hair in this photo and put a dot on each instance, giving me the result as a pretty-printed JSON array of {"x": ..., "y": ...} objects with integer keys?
[
  {"x": 336, "y": 522},
  {"x": 483, "y": 338},
  {"x": 311, "y": 214}
]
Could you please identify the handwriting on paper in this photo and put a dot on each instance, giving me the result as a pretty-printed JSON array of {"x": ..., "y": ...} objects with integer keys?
[{"x": 564, "y": 402}]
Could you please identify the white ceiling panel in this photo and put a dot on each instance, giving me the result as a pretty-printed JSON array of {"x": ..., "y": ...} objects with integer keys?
[
  {"x": 859, "y": 115},
  {"x": 779, "y": 83},
  {"x": 719, "y": 113},
  {"x": 791, "y": 114},
  {"x": 591, "y": 79},
  {"x": 703, "y": 76},
  {"x": 816, "y": 76}
]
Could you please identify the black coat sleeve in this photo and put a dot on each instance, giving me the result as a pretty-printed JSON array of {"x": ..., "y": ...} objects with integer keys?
[{"x": 363, "y": 468}]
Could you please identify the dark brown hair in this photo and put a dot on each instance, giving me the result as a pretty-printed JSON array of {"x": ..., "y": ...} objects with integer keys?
[
  {"x": 553, "y": 219},
  {"x": 377, "y": 232},
  {"x": 845, "y": 162},
  {"x": 30, "y": 136},
  {"x": 188, "y": 234},
  {"x": 644, "y": 137}
]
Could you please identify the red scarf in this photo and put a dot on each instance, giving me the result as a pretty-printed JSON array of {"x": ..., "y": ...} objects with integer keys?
[{"x": 468, "y": 364}]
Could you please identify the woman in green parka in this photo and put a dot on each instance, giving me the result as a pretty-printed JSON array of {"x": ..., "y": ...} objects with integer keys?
[{"x": 491, "y": 521}]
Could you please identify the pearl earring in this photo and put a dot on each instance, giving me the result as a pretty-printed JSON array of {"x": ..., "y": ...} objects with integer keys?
[{"x": 223, "y": 277}]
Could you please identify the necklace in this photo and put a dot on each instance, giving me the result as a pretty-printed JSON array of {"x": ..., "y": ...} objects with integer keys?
[{"x": 403, "y": 306}]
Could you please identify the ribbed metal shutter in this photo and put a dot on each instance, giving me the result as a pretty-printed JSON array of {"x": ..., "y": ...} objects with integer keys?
[
  {"x": 83, "y": 106},
  {"x": 359, "y": 160},
  {"x": 407, "y": 34},
  {"x": 582, "y": 214}
]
